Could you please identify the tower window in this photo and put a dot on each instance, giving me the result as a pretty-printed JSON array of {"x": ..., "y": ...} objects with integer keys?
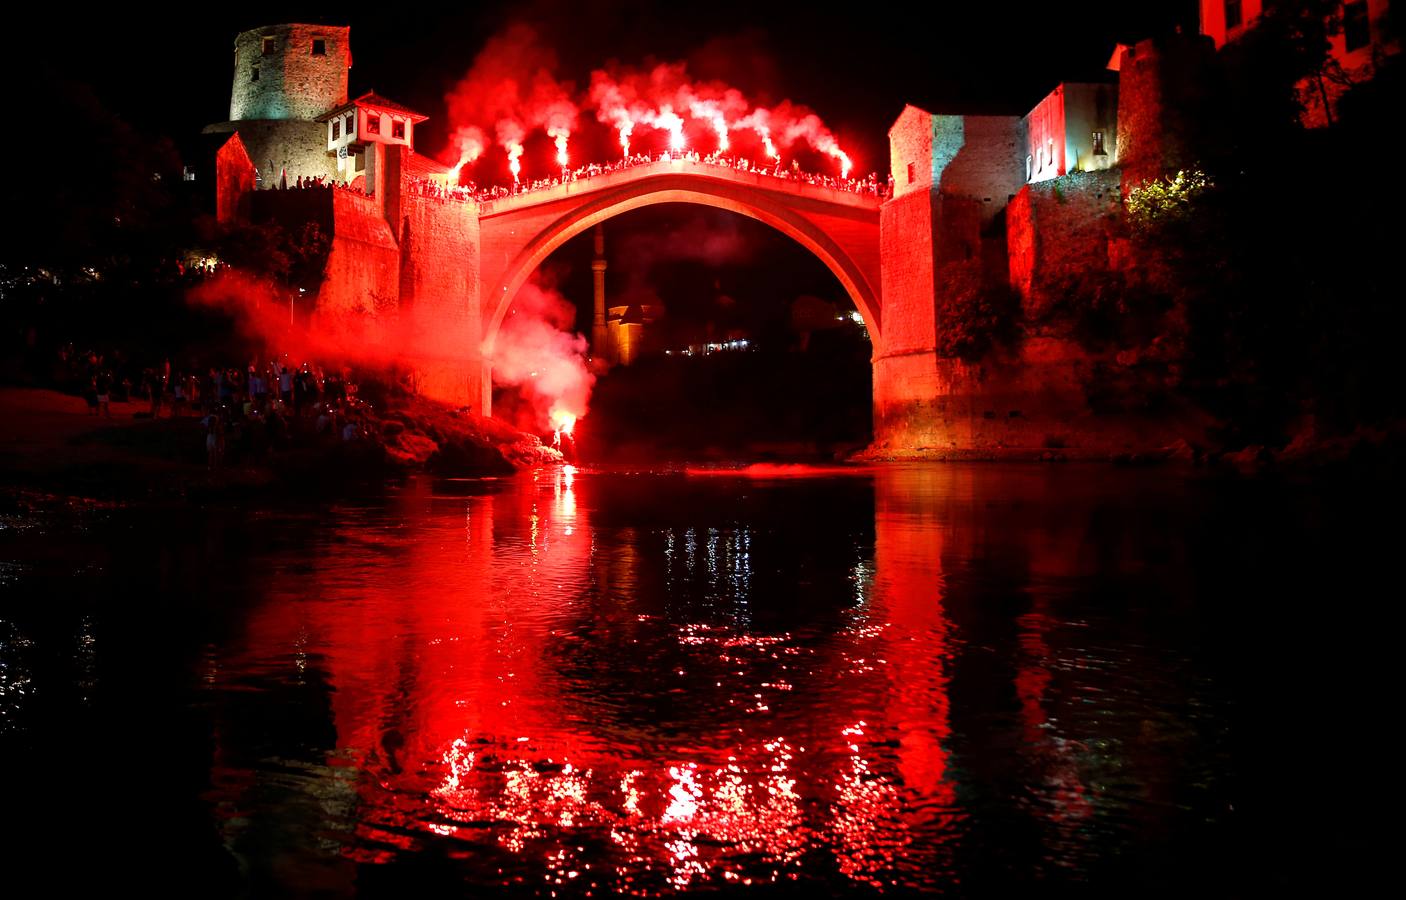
[
  {"x": 268, "y": 46},
  {"x": 373, "y": 124},
  {"x": 319, "y": 47},
  {"x": 398, "y": 129},
  {"x": 1234, "y": 18},
  {"x": 1098, "y": 144},
  {"x": 336, "y": 129},
  {"x": 1357, "y": 32},
  {"x": 253, "y": 73},
  {"x": 912, "y": 172}
]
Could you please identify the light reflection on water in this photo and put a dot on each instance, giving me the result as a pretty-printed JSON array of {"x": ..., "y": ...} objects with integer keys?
[{"x": 588, "y": 682}]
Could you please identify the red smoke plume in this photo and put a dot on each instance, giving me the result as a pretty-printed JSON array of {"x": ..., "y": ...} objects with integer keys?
[
  {"x": 511, "y": 88},
  {"x": 261, "y": 312},
  {"x": 536, "y": 352}
]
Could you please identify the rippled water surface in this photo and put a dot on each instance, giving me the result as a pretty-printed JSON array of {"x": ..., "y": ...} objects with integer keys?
[{"x": 965, "y": 679}]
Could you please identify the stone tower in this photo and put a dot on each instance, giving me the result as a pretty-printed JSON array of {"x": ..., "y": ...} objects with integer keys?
[
  {"x": 285, "y": 76},
  {"x": 1164, "y": 102},
  {"x": 290, "y": 71},
  {"x": 600, "y": 340}
]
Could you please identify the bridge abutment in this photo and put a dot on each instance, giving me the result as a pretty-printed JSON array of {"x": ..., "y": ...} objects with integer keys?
[{"x": 941, "y": 235}]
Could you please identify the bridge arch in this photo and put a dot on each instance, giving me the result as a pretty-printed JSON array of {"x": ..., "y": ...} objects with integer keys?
[{"x": 856, "y": 272}]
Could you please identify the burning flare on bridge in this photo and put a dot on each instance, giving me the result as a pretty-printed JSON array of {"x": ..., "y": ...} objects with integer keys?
[{"x": 512, "y": 86}]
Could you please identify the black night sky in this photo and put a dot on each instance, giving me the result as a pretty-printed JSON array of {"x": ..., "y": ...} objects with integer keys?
[{"x": 168, "y": 72}]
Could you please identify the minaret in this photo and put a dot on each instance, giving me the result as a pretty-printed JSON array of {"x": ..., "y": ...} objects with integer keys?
[{"x": 600, "y": 344}]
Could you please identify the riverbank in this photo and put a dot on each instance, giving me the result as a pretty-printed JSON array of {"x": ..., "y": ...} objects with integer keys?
[
  {"x": 52, "y": 443},
  {"x": 1307, "y": 450}
]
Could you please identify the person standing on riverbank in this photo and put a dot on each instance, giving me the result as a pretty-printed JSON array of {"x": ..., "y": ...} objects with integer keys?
[
  {"x": 102, "y": 385},
  {"x": 214, "y": 440}
]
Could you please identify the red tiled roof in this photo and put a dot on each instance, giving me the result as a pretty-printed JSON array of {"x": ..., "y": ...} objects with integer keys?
[
  {"x": 375, "y": 100},
  {"x": 371, "y": 98}
]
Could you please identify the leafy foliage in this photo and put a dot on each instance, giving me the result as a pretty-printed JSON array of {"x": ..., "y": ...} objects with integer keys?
[
  {"x": 1159, "y": 201},
  {"x": 974, "y": 317}
]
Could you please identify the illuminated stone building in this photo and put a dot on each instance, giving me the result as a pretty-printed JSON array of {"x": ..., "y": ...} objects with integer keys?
[
  {"x": 285, "y": 76},
  {"x": 369, "y": 119},
  {"x": 628, "y": 326},
  {"x": 617, "y": 332},
  {"x": 1074, "y": 129}
]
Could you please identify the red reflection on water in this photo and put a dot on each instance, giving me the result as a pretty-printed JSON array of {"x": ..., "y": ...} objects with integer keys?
[
  {"x": 777, "y": 470},
  {"x": 446, "y": 704},
  {"x": 1066, "y": 796}
]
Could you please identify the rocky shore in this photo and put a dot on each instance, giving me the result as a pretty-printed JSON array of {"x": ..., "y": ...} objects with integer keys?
[{"x": 51, "y": 443}]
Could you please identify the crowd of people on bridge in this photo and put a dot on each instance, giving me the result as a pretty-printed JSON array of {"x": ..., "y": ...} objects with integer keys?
[{"x": 869, "y": 186}]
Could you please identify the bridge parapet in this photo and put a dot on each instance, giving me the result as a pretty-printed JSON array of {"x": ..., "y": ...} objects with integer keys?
[{"x": 796, "y": 186}]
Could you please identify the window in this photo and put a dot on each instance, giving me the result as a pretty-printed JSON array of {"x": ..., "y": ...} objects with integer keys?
[
  {"x": 1357, "y": 32},
  {"x": 254, "y": 73},
  {"x": 1029, "y": 166},
  {"x": 336, "y": 129},
  {"x": 269, "y": 46},
  {"x": 1098, "y": 144},
  {"x": 398, "y": 129},
  {"x": 912, "y": 172},
  {"x": 1233, "y": 17},
  {"x": 319, "y": 47},
  {"x": 349, "y": 129},
  {"x": 373, "y": 124},
  {"x": 1049, "y": 151}
]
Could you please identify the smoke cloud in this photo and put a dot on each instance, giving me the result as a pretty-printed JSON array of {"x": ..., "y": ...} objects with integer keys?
[
  {"x": 537, "y": 353},
  {"x": 512, "y": 90}
]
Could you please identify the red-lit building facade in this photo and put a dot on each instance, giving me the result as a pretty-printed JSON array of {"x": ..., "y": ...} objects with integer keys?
[
  {"x": 1358, "y": 40},
  {"x": 1074, "y": 129}
]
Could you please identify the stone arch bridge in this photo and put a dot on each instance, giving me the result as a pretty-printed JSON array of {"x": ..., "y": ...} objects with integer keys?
[
  {"x": 437, "y": 276},
  {"x": 518, "y": 233}
]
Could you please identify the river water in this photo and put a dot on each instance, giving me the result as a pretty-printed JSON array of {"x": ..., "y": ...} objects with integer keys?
[{"x": 962, "y": 678}]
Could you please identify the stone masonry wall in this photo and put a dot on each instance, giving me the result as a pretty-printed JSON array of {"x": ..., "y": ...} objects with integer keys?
[
  {"x": 360, "y": 292},
  {"x": 1163, "y": 96},
  {"x": 234, "y": 181},
  {"x": 275, "y": 146},
  {"x": 1057, "y": 230},
  {"x": 439, "y": 277},
  {"x": 292, "y": 83}
]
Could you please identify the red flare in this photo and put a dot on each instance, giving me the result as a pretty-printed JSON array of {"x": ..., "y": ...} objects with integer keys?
[
  {"x": 560, "y": 136},
  {"x": 665, "y": 119},
  {"x": 471, "y": 143}
]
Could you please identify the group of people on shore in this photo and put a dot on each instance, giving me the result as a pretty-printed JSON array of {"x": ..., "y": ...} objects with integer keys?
[
  {"x": 244, "y": 411},
  {"x": 249, "y": 411},
  {"x": 99, "y": 378}
]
